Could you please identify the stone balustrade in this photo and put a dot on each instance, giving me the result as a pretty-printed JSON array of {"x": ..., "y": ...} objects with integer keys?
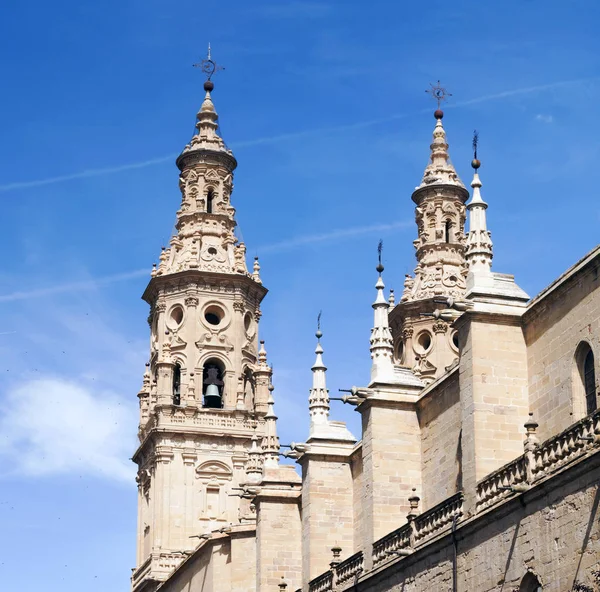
[
  {"x": 392, "y": 544},
  {"x": 565, "y": 447},
  {"x": 349, "y": 569},
  {"x": 322, "y": 583},
  {"x": 499, "y": 484},
  {"x": 438, "y": 518}
]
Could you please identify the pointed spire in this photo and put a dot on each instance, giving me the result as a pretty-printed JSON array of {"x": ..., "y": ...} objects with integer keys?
[
  {"x": 270, "y": 441},
  {"x": 382, "y": 348},
  {"x": 255, "y": 461},
  {"x": 318, "y": 399},
  {"x": 207, "y": 136},
  {"x": 256, "y": 271},
  {"x": 479, "y": 241},
  {"x": 440, "y": 169}
]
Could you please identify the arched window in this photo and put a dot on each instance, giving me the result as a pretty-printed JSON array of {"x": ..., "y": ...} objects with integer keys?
[
  {"x": 584, "y": 381},
  {"x": 209, "y": 201},
  {"x": 589, "y": 382},
  {"x": 448, "y": 231},
  {"x": 530, "y": 583},
  {"x": 212, "y": 384},
  {"x": 177, "y": 385}
]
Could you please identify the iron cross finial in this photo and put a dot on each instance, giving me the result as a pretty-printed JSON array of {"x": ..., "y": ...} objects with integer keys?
[
  {"x": 475, "y": 143},
  {"x": 208, "y": 65},
  {"x": 438, "y": 92}
]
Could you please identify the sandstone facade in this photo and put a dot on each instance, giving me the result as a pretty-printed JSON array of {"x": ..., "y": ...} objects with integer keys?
[{"x": 477, "y": 467}]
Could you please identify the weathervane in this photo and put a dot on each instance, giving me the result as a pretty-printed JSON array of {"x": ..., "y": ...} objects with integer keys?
[
  {"x": 475, "y": 162},
  {"x": 208, "y": 66},
  {"x": 379, "y": 267},
  {"x": 438, "y": 92}
]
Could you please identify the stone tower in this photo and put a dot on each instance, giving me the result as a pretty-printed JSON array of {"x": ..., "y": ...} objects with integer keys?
[
  {"x": 205, "y": 391},
  {"x": 422, "y": 338}
]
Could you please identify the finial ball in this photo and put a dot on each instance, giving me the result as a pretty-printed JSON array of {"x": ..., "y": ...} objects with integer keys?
[
  {"x": 475, "y": 163},
  {"x": 209, "y": 85},
  {"x": 379, "y": 268},
  {"x": 319, "y": 334},
  {"x": 438, "y": 114},
  {"x": 271, "y": 387}
]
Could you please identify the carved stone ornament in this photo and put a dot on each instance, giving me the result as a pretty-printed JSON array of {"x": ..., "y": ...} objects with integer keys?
[
  {"x": 440, "y": 327},
  {"x": 191, "y": 301},
  {"x": 161, "y": 306}
]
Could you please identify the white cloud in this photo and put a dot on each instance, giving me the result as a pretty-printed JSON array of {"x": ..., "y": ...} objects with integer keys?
[
  {"x": 544, "y": 118},
  {"x": 56, "y": 426}
]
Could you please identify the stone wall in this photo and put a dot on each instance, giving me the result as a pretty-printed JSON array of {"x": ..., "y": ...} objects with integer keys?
[
  {"x": 552, "y": 530},
  {"x": 440, "y": 420},
  {"x": 557, "y": 321}
]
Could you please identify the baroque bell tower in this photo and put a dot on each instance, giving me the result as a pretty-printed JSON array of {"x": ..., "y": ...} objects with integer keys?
[
  {"x": 205, "y": 391},
  {"x": 423, "y": 339}
]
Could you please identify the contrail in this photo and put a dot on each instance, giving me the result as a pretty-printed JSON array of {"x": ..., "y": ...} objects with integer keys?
[
  {"x": 335, "y": 234},
  {"x": 289, "y": 136},
  {"x": 120, "y": 277},
  {"x": 74, "y": 286}
]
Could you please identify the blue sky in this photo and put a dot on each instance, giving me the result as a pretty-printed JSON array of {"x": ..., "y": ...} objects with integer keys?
[{"x": 323, "y": 105}]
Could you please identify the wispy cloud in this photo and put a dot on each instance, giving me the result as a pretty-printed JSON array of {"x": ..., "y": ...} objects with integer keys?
[
  {"x": 292, "y": 243},
  {"x": 90, "y": 284},
  {"x": 544, "y": 118},
  {"x": 334, "y": 235},
  {"x": 293, "y": 10},
  {"x": 53, "y": 426},
  {"x": 85, "y": 174},
  {"x": 294, "y": 135}
]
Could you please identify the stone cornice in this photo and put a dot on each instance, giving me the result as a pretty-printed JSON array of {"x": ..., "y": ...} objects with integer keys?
[
  {"x": 203, "y": 156},
  {"x": 562, "y": 284},
  {"x": 183, "y": 279},
  {"x": 440, "y": 190}
]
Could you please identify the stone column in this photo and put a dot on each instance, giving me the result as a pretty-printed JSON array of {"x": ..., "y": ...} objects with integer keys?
[
  {"x": 494, "y": 393},
  {"x": 278, "y": 530},
  {"x": 327, "y": 506},
  {"x": 391, "y": 463}
]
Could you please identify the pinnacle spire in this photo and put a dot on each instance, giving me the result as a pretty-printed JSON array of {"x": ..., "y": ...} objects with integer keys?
[
  {"x": 382, "y": 349},
  {"x": 479, "y": 252},
  {"x": 270, "y": 442},
  {"x": 440, "y": 169},
  {"x": 255, "y": 461},
  {"x": 207, "y": 136},
  {"x": 318, "y": 399}
]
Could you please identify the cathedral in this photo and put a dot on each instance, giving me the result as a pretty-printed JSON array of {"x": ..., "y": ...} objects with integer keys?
[{"x": 478, "y": 465}]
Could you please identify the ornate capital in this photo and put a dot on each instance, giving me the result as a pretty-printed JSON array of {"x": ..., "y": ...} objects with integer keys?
[
  {"x": 191, "y": 301},
  {"x": 408, "y": 332},
  {"x": 160, "y": 306},
  {"x": 238, "y": 306}
]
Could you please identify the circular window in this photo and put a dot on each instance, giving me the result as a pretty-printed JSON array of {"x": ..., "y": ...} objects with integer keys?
[
  {"x": 177, "y": 315},
  {"x": 247, "y": 322},
  {"x": 214, "y": 315},
  {"x": 423, "y": 342},
  {"x": 212, "y": 251},
  {"x": 400, "y": 352}
]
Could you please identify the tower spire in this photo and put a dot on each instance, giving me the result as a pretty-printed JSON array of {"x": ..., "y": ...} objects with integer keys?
[
  {"x": 318, "y": 399},
  {"x": 382, "y": 349},
  {"x": 270, "y": 441},
  {"x": 479, "y": 241}
]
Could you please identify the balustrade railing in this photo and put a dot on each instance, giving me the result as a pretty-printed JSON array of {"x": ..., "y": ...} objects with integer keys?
[
  {"x": 565, "y": 447},
  {"x": 322, "y": 583},
  {"x": 438, "y": 518},
  {"x": 391, "y": 545},
  {"x": 499, "y": 484},
  {"x": 349, "y": 569}
]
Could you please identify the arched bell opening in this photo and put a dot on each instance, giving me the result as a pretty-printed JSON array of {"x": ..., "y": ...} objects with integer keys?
[
  {"x": 177, "y": 385},
  {"x": 212, "y": 384}
]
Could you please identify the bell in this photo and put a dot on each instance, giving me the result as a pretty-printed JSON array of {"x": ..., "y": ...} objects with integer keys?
[{"x": 212, "y": 398}]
